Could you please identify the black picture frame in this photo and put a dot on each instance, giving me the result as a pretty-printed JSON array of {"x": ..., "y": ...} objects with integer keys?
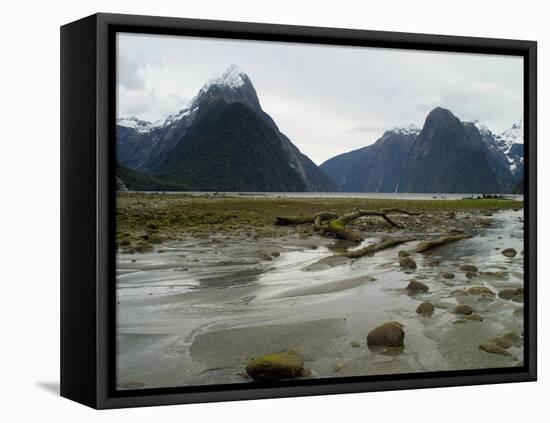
[{"x": 87, "y": 211}]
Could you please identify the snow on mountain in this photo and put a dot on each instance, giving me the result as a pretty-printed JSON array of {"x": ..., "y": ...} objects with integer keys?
[
  {"x": 233, "y": 78},
  {"x": 509, "y": 143},
  {"x": 512, "y": 136},
  {"x": 409, "y": 129},
  {"x": 135, "y": 123}
]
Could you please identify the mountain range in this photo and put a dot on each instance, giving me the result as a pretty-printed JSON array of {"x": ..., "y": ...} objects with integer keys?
[
  {"x": 224, "y": 141},
  {"x": 445, "y": 156}
]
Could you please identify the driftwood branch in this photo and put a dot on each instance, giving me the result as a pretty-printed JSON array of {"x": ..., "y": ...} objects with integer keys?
[
  {"x": 432, "y": 243},
  {"x": 374, "y": 248},
  {"x": 336, "y": 225},
  {"x": 300, "y": 220}
]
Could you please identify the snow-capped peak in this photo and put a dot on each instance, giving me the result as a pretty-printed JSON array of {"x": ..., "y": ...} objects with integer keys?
[
  {"x": 514, "y": 135},
  {"x": 410, "y": 129},
  {"x": 233, "y": 78},
  {"x": 134, "y": 123}
]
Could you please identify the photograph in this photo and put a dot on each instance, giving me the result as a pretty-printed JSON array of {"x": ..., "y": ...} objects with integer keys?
[{"x": 299, "y": 211}]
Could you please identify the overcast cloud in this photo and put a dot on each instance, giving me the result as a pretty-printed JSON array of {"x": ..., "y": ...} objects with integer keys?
[{"x": 327, "y": 100}]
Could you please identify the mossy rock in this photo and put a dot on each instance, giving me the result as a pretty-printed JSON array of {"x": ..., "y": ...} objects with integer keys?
[
  {"x": 463, "y": 309},
  {"x": 447, "y": 275},
  {"x": 471, "y": 275},
  {"x": 492, "y": 348},
  {"x": 407, "y": 263},
  {"x": 509, "y": 252},
  {"x": 468, "y": 268},
  {"x": 277, "y": 366},
  {"x": 389, "y": 334},
  {"x": 480, "y": 291},
  {"x": 403, "y": 253},
  {"x": 432, "y": 263},
  {"x": 415, "y": 287},
  {"x": 426, "y": 308},
  {"x": 511, "y": 294}
]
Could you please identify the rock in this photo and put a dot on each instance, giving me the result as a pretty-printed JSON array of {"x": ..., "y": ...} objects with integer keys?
[
  {"x": 338, "y": 367},
  {"x": 468, "y": 268},
  {"x": 354, "y": 344},
  {"x": 275, "y": 254},
  {"x": 502, "y": 342},
  {"x": 512, "y": 338},
  {"x": 403, "y": 253},
  {"x": 511, "y": 294},
  {"x": 492, "y": 348},
  {"x": 425, "y": 308},
  {"x": 463, "y": 309},
  {"x": 448, "y": 275},
  {"x": 432, "y": 263},
  {"x": 269, "y": 367},
  {"x": 471, "y": 275},
  {"x": 389, "y": 334},
  {"x": 407, "y": 262},
  {"x": 458, "y": 293},
  {"x": 480, "y": 290},
  {"x": 509, "y": 252},
  {"x": 415, "y": 287}
]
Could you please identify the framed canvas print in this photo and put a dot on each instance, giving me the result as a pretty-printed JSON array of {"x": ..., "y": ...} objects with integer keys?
[{"x": 255, "y": 211}]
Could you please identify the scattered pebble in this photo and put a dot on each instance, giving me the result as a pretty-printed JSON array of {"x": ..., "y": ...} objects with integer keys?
[
  {"x": 463, "y": 309},
  {"x": 509, "y": 252}
]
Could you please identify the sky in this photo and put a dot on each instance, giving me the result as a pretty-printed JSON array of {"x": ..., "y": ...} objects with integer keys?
[{"x": 327, "y": 99}]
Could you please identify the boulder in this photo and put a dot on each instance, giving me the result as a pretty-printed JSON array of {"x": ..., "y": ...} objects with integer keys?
[
  {"x": 511, "y": 294},
  {"x": 492, "y": 348},
  {"x": 426, "y": 308},
  {"x": 480, "y": 290},
  {"x": 463, "y": 309},
  {"x": 415, "y": 287},
  {"x": 403, "y": 253},
  {"x": 269, "y": 367},
  {"x": 471, "y": 275},
  {"x": 509, "y": 252},
  {"x": 448, "y": 275},
  {"x": 432, "y": 263},
  {"x": 407, "y": 263},
  {"x": 389, "y": 334},
  {"x": 468, "y": 268}
]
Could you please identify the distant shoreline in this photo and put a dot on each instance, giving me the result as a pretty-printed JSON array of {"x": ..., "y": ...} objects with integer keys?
[{"x": 360, "y": 195}]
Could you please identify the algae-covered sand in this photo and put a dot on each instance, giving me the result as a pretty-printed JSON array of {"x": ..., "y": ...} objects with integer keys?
[{"x": 206, "y": 283}]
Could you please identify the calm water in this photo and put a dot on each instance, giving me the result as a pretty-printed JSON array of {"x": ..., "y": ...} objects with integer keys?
[{"x": 376, "y": 195}]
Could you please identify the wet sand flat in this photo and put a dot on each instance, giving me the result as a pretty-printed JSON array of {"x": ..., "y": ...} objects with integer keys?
[{"x": 193, "y": 309}]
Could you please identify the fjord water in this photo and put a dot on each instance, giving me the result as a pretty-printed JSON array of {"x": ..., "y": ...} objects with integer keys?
[{"x": 194, "y": 313}]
